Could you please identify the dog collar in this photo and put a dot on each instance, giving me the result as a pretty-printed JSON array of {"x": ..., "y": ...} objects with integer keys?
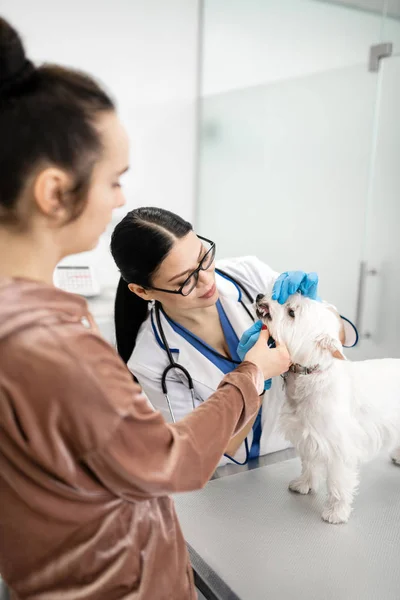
[{"x": 300, "y": 370}]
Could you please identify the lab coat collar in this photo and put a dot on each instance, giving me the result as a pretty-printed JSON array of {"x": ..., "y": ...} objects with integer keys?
[
  {"x": 227, "y": 288},
  {"x": 231, "y": 297}
]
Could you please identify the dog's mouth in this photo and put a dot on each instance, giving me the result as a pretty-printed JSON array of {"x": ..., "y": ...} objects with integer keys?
[{"x": 263, "y": 311}]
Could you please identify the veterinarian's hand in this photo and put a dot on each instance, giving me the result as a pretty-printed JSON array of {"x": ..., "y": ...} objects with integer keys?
[
  {"x": 290, "y": 282},
  {"x": 271, "y": 361}
]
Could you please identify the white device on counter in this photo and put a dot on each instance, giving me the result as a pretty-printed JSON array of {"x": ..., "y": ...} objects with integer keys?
[{"x": 77, "y": 279}]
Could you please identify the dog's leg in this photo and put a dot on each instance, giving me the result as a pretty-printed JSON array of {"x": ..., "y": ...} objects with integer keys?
[
  {"x": 309, "y": 479},
  {"x": 395, "y": 456},
  {"x": 342, "y": 484}
]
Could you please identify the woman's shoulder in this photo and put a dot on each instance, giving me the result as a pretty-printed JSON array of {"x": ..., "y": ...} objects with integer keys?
[{"x": 70, "y": 378}]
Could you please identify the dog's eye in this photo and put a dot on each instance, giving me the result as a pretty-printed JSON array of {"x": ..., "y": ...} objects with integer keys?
[{"x": 291, "y": 313}]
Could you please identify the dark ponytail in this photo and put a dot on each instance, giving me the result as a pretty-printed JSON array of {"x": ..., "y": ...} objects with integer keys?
[
  {"x": 130, "y": 312},
  {"x": 139, "y": 244}
]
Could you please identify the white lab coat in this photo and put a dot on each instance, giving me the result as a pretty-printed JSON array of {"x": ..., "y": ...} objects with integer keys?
[{"x": 149, "y": 360}]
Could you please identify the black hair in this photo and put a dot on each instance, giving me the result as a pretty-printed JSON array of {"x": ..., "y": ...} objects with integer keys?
[
  {"x": 139, "y": 244},
  {"x": 47, "y": 117}
]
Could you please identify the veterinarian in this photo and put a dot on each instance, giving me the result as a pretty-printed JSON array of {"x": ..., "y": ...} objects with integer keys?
[
  {"x": 179, "y": 317},
  {"x": 86, "y": 465}
]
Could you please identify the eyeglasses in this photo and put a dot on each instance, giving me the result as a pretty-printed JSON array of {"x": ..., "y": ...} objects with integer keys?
[{"x": 191, "y": 281}]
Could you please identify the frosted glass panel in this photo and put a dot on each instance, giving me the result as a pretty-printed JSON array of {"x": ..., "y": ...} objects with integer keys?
[
  {"x": 300, "y": 146},
  {"x": 284, "y": 175},
  {"x": 381, "y": 318}
]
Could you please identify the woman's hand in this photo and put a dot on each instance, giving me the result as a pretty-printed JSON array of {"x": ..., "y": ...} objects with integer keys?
[
  {"x": 271, "y": 361},
  {"x": 279, "y": 360},
  {"x": 247, "y": 341}
]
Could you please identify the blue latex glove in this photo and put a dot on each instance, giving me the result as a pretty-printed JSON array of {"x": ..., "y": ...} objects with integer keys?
[
  {"x": 247, "y": 341},
  {"x": 290, "y": 282}
]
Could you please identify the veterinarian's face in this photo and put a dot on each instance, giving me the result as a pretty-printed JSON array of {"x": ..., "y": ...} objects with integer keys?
[
  {"x": 305, "y": 326},
  {"x": 182, "y": 260}
]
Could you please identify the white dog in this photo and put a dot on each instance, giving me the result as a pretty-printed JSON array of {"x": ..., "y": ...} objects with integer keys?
[{"x": 337, "y": 413}]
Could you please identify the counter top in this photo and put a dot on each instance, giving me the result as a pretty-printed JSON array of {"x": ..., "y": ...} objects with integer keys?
[{"x": 251, "y": 539}]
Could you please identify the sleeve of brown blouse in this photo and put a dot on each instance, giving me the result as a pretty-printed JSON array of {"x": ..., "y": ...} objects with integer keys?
[
  {"x": 74, "y": 399},
  {"x": 144, "y": 456}
]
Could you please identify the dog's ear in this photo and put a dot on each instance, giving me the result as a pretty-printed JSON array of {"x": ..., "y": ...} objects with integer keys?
[{"x": 327, "y": 342}]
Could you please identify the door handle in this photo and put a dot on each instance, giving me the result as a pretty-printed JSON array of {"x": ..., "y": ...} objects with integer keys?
[{"x": 363, "y": 274}]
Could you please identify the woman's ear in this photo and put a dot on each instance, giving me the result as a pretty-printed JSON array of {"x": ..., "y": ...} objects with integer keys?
[
  {"x": 50, "y": 189},
  {"x": 140, "y": 291}
]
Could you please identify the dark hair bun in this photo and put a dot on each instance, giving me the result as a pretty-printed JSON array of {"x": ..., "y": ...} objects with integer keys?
[{"x": 15, "y": 68}]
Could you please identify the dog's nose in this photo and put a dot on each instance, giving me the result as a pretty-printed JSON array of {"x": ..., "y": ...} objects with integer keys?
[{"x": 259, "y": 297}]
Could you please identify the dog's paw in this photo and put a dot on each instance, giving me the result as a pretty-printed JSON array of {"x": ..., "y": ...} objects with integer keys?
[
  {"x": 336, "y": 513},
  {"x": 300, "y": 486}
]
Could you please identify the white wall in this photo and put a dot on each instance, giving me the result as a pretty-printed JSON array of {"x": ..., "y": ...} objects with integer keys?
[{"x": 144, "y": 51}]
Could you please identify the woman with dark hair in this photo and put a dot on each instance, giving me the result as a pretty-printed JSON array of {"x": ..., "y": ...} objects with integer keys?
[
  {"x": 86, "y": 465},
  {"x": 170, "y": 285}
]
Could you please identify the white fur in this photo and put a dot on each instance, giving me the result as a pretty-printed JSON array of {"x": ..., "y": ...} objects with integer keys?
[{"x": 342, "y": 414}]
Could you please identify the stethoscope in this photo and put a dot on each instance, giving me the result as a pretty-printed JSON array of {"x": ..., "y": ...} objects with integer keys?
[{"x": 173, "y": 365}]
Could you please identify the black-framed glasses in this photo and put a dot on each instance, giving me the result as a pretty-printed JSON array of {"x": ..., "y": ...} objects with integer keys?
[{"x": 191, "y": 281}]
